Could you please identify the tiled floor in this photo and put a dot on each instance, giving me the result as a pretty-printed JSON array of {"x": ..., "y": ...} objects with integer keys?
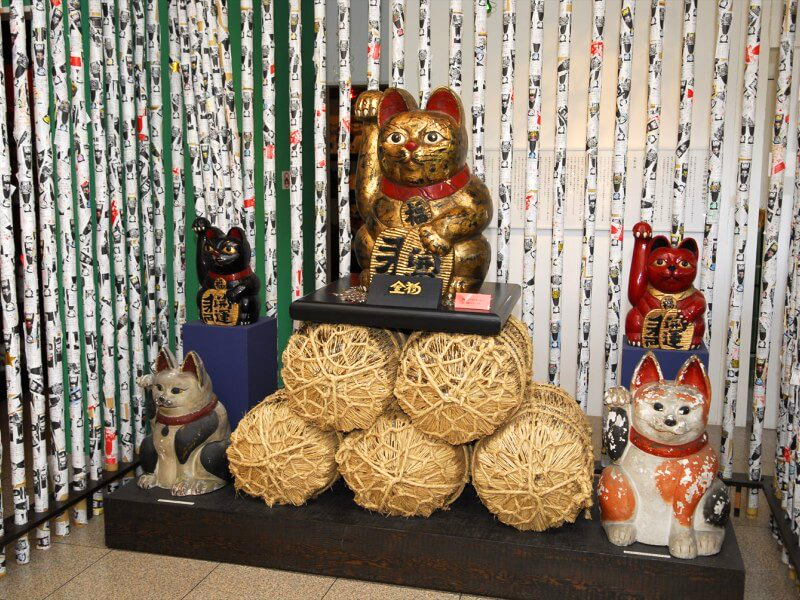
[{"x": 80, "y": 566}]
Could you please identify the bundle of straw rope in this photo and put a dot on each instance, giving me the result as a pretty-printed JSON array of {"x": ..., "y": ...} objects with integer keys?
[
  {"x": 395, "y": 469},
  {"x": 535, "y": 472},
  {"x": 276, "y": 455},
  {"x": 341, "y": 376},
  {"x": 459, "y": 387}
]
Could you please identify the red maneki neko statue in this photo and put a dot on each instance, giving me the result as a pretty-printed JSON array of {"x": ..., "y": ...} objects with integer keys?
[{"x": 667, "y": 310}]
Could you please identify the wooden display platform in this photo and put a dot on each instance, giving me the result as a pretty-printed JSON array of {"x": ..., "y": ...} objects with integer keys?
[
  {"x": 463, "y": 549},
  {"x": 324, "y": 306}
]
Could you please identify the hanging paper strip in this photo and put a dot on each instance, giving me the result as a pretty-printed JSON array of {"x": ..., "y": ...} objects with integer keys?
[
  {"x": 456, "y": 27},
  {"x": 230, "y": 131},
  {"x": 8, "y": 283},
  {"x": 740, "y": 215},
  {"x": 178, "y": 197},
  {"x": 268, "y": 86},
  {"x": 204, "y": 111},
  {"x": 373, "y": 44},
  {"x": 63, "y": 149},
  {"x": 560, "y": 189},
  {"x": 770, "y": 243},
  {"x": 590, "y": 200},
  {"x": 197, "y": 159},
  {"x": 620, "y": 174},
  {"x": 102, "y": 247},
  {"x": 321, "y": 146},
  {"x": 532, "y": 162},
  {"x": 80, "y": 126},
  {"x": 506, "y": 139},
  {"x": 156, "y": 123},
  {"x": 479, "y": 91},
  {"x": 719, "y": 96},
  {"x": 114, "y": 180},
  {"x": 27, "y": 207},
  {"x": 653, "y": 128},
  {"x": 398, "y": 40},
  {"x": 59, "y": 475},
  {"x": 248, "y": 129},
  {"x": 685, "y": 118},
  {"x": 424, "y": 51},
  {"x": 343, "y": 148},
  {"x": 296, "y": 149},
  {"x": 143, "y": 131},
  {"x": 130, "y": 62}
]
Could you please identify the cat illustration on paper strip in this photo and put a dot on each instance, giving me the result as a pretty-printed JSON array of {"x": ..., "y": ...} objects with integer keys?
[
  {"x": 667, "y": 310},
  {"x": 228, "y": 292},
  {"x": 663, "y": 487},
  {"x": 423, "y": 210},
  {"x": 190, "y": 432}
]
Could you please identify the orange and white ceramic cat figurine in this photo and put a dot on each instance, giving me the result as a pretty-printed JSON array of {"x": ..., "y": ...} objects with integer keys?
[
  {"x": 423, "y": 210},
  {"x": 662, "y": 487}
]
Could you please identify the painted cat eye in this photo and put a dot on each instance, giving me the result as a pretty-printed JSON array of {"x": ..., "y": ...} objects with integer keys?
[
  {"x": 159, "y": 387},
  {"x": 432, "y": 137},
  {"x": 229, "y": 250},
  {"x": 658, "y": 406},
  {"x": 176, "y": 390},
  {"x": 683, "y": 410},
  {"x": 685, "y": 264},
  {"x": 660, "y": 262},
  {"x": 396, "y": 138}
]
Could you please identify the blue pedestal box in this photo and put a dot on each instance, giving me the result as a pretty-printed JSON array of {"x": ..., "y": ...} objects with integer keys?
[
  {"x": 670, "y": 360},
  {"x": 241, "y": 361}
]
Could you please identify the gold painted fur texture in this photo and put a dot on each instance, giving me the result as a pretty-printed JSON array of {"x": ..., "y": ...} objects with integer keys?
[{"x": 412, "y": 174}]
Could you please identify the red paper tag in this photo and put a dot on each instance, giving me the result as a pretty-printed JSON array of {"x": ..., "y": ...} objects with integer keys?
[{"x": 473, "y": 301}]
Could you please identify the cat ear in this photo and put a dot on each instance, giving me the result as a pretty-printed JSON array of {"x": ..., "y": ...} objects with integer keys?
[
  {"x": 448, "y": 102},
  {"x": 193, "y": 365},
  {"x": 647, "y": 371},
  {"x": 689, "y": 244},
  {"x": 236, "y": 233},
  {"x": 660, "y": 241},
  {"x": 393, "y": 103},
  {"x": 693, "y": 373},
  {"x": 165, "y": 360}
]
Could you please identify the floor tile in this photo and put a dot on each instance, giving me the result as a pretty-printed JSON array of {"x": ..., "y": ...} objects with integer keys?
[
  {"x": 47, "y": 571},
  {"x": 235, "y": 582},
  {"x": 760, "y": 551},
  {"x": 351, "y": 589},
  {"x": 770, "y": 585},
  {"x": 135, "y": 575}
]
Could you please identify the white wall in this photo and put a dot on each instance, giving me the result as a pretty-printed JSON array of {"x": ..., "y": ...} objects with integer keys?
[{"x": 704, "y": 53}]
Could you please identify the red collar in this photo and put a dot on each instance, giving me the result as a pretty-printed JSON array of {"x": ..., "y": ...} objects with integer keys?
[
  {"x": 191, "y": 417},
  {"x": 434, "y": 191},
  {"x": 665, "y": 450},
  {"x": 233, "y": 276}
]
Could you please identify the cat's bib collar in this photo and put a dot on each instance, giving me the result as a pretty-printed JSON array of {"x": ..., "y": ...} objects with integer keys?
[
  {"x": 434, "y": 191},
  {"x": 232, "y": 276},
  {"x": 191, "y": 417},
  {"x": 649, "y": 446}
]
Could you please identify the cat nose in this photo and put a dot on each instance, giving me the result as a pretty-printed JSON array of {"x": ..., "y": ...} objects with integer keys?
[
  {"x": 671, "y": 268},
  {"x": 670, "y": 421},
  {"x": 411, "y": 146}
]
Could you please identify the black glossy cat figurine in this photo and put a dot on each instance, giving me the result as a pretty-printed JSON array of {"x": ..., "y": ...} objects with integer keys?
[{"x": 228, "y": 286}]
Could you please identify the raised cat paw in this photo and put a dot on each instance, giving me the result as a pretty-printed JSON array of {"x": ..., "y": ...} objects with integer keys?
[
  {"x": 617, "y": 396},
  {"x": 709, "y": 542},
  {"x": 147, "y": 481},
  {"x": 367, "y": 104},
  {"x": 683, "y": 545},
  {"x": 146, "y": 381},
  {"x": 620, "y": 534},
  {"x": 200, "y": 225},
  {"x": 642, "y": 230}
]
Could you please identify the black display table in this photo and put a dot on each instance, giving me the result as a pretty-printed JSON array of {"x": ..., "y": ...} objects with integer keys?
[
  {"x": 324, "y": 306},
  {"x": 463, "y": 549}
]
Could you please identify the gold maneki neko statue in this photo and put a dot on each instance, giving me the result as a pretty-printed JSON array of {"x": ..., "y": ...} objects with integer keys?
[{"x": 423, "y": 210}]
